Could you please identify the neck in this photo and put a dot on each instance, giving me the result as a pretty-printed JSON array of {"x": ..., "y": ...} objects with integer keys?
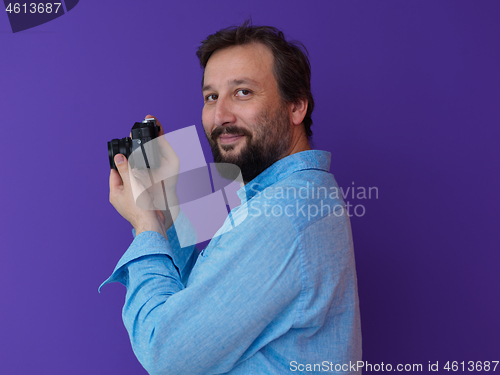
[{"x": 299, "y": 141}]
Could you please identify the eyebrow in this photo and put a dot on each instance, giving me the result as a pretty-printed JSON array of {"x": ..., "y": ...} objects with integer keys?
[{"x": 234, "y": 82}]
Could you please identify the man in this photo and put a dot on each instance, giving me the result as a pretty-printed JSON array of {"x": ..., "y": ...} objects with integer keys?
[{"x": 277, "y": 294}]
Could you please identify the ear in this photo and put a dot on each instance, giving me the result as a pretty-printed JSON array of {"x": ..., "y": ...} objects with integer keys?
[{"x": 299, "y": 111}]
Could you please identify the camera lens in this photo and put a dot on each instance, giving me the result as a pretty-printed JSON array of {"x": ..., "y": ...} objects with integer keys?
[{"x": 119, "y": 146}]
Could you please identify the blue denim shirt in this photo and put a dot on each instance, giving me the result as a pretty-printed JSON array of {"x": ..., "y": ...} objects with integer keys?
[{"x": 275, "y": 295}]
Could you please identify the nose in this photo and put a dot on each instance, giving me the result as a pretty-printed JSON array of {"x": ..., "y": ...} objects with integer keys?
[{"x": 224, "y": 114}]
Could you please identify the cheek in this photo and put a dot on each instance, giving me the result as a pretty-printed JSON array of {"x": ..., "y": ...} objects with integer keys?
[{"x": 249, "y": 116}]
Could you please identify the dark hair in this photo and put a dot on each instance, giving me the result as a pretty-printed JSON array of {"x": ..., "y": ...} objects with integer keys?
[{"x": 292, "y": 69}]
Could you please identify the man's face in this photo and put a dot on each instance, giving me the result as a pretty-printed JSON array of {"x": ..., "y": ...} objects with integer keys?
[{"x": 245, "y": 120}]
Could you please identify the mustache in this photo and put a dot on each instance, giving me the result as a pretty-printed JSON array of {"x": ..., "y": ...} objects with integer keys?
[{"x": 229, "y": 129}]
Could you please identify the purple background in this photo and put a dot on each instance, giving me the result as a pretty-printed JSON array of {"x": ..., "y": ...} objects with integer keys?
[{"x": 407, "y": 100}]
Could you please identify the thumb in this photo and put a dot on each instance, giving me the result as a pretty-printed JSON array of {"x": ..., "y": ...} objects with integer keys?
[{"x": 122, "y": 166}]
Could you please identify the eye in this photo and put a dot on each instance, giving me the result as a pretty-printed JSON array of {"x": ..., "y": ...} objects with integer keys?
[
  {"x": 244, "y": 92},
  {"x": 210, "y": 98}
]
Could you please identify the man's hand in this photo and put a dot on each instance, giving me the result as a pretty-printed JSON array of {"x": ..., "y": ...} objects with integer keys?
[
  {"x": 122, "y": 199},
  {"x": 139, "y": 195}
]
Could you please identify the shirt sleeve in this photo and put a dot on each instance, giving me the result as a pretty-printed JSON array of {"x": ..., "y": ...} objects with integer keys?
[
  {"x": 239, "y": 286},
  {"x": 184, "y": 258}
]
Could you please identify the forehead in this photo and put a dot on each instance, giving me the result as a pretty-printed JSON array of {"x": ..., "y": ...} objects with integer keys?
[{"x": 254, "y": 61}]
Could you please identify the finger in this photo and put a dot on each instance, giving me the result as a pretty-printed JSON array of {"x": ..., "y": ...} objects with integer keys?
[
  {"x": 130, "y": 183},
  {"x": 157, "y": 123},
  {"x": 140, "y": 180},
  {"x": 115, "y": 181},
  {"x": 144, "y": 201},
  {"x": 166, "y": 149},
  {"x": 169, "y": 161}
]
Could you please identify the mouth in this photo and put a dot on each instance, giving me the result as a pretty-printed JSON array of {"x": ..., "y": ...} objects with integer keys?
[{"x": 230, "y": 138}]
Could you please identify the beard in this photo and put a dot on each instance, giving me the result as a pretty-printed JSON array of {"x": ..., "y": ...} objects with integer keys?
[{"x": 270, "y": 142}]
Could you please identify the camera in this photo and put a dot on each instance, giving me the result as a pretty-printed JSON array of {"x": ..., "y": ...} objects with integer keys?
[{"x": 140, "y": 152}]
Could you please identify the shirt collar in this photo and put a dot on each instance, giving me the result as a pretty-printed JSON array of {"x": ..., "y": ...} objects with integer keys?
[{"x": 310, "y": 159}]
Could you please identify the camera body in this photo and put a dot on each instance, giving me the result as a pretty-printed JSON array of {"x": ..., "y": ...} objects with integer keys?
[{"x": 140, "y": 152}]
